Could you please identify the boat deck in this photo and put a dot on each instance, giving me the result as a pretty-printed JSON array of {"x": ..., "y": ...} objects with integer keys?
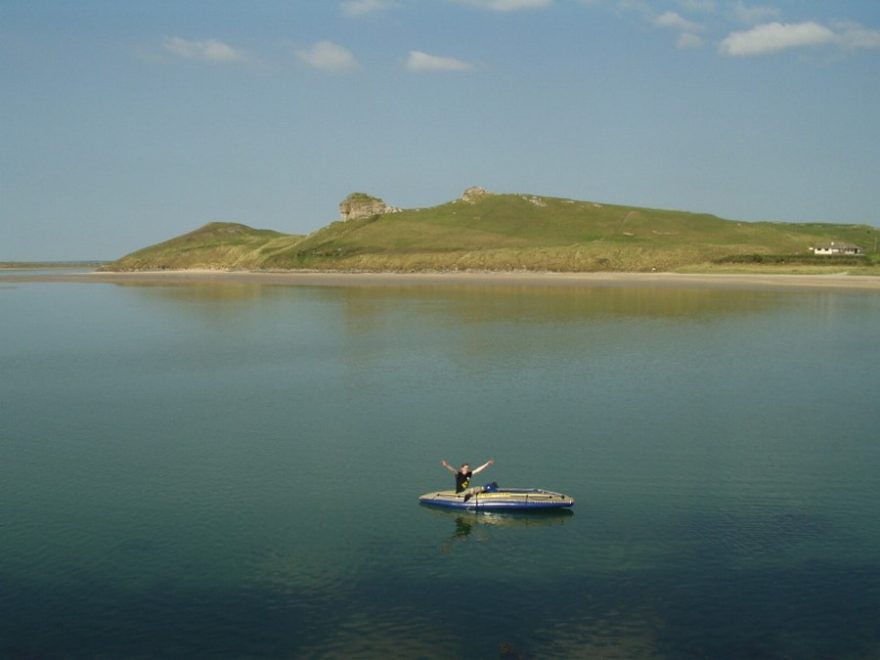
[{"x": 501, "y": 499}]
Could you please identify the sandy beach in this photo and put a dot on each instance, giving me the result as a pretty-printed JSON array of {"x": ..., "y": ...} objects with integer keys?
[{"x": 337, "y": 279}]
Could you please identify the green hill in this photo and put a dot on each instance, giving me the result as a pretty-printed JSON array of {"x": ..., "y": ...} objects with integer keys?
[
  {"x": 217, "y": 245},
  {"x": 503, "y": 232}
]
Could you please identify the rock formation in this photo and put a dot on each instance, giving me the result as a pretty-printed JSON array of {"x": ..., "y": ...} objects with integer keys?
[
  {"x": 474, "y": 194},
  {"x": 361, "y": 205}
]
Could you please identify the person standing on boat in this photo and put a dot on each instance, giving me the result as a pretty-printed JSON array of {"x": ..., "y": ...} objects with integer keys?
[{"x": 463, "y": 475}]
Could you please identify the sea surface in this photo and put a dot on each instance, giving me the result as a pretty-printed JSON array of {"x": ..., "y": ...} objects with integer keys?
[{"x": 232, "y": 470}]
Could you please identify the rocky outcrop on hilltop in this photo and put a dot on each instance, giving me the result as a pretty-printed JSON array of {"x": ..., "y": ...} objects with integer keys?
[
  {"x": 474, "y": 194},
  {"x": 361, "y": 205}
]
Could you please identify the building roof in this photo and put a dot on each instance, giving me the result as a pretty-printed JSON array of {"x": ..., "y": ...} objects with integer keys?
[{"x": 835, "y": 245}]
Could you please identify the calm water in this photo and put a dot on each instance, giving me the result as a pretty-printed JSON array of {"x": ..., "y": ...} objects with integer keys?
[{"x": 232, "y": 470}]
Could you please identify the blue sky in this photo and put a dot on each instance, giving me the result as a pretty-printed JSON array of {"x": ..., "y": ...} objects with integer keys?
[{"x": 124, "y": 123}]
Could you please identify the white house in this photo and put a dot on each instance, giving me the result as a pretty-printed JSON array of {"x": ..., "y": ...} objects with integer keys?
[{"x": 834, "y": 248}]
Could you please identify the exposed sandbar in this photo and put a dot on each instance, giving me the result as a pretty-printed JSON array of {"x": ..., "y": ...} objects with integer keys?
[{"x": 520, "y": 278}]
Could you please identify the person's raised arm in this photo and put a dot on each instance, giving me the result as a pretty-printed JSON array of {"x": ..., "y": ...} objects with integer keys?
[
  {"x": 483, "y": 466},
  {"x": 448, "y": 466}
]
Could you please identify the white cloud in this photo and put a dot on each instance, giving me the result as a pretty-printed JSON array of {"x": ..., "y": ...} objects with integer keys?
[
  {"x": 689, "y": 42},
  {"x": 705, "y": 6},
  {"x": 354, "y": 8},
  {"x": 775, "y": 37},
  {"x": 853, "y": 36},
  {"x": 209, "y": 50},
  {"x": 752, "y": 15},
  {"x": 423, "y": 62},
  {"x": 677, "y": 22},
  {"x": 638, "y": 6},
  {"x": 509, "y": 5},
  {"x": 622, "y": 6},
  {"x": 329, "y": 57}
]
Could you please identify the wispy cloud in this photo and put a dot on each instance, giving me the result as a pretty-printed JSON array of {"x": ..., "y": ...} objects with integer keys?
[
  {"x": 208, "y": 50},
  {"x": 508, "y": 5},
  {"x": 764, "y": 33},
  {"x": 424, "y": 63},
  {"x": 689, "y": 42},
  {"x": 644, "y": 10},
  {"x": 852, "y": 36},
  {"x": 704, "y": 6},
  {"x": 675, "y": 21},
  {"x": 775, "y": 37},
  {"x": 671, "y": 20},
  {"x": 329, "y": 57},
  {"x": 353, "y": 8},
  {"x": 753, "y": 14}
]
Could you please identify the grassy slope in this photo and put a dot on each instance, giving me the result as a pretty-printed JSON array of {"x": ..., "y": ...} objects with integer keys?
[
  {"x": 216, "y": 245},
  {"x": 498, "y": 232}
]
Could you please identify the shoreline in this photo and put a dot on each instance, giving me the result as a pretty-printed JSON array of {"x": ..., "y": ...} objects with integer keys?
[{"x": 489, "y": 278}]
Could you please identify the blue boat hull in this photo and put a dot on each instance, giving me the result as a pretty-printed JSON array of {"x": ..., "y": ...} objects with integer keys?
[{"x": 500, "y": 499}]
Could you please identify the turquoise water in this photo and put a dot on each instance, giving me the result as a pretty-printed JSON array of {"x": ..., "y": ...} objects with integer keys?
[{"x": 232, "y": 470}]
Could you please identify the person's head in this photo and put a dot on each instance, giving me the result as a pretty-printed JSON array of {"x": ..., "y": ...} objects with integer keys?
[{"x": 464, "y": 468}]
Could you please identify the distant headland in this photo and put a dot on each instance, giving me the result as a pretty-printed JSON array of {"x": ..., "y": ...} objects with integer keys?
[{"x": 492, "y": 232}]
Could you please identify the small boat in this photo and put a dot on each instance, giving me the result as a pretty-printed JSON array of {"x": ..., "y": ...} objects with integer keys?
[{"x": 499, "y": 499}]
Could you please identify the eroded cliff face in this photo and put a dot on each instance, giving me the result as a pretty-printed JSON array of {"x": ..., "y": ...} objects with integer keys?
[{"x": 361, "y": 205}]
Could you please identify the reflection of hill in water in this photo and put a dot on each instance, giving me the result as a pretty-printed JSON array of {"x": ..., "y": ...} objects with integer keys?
[
  {"x": 472, "y": 325},
  {"x": 475, "y": 303},
  {"x": 201, "y": 291}
]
